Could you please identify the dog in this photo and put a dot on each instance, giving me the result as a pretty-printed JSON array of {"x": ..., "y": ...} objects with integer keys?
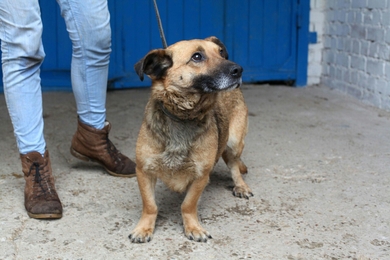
[{"x": 195, "y": 114}]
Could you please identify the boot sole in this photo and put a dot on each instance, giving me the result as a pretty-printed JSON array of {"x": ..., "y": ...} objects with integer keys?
[
  {"x": 45, "y": 215},
  {"x": 87, "y": 159}
]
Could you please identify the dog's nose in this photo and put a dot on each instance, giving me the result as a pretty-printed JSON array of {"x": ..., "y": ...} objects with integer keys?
[{"x": 236, "y": 71}]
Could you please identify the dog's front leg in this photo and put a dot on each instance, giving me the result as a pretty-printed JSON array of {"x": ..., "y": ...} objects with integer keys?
[
  {"x": 189, "y": 210},
  {"x": 143, "y": 232}
]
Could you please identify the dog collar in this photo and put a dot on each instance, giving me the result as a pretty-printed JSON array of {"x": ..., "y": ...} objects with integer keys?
[{"x": 169, "y": 114}]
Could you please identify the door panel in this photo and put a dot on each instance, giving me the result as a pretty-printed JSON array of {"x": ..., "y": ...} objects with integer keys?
[{"x": 262, "y": 37}]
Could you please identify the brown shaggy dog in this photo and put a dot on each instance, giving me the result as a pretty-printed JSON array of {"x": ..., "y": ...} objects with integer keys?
[{"x": 196, "y": 114}]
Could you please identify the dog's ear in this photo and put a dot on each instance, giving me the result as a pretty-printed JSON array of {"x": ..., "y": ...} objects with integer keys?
[
  {"x": 223, "y": 51},
  {"x": 154, "y": 64}
]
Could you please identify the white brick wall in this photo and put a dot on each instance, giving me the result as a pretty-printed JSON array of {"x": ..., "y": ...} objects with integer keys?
[
  {"x": 355, "y": 41},
  {"x": 317, "y": 19}
]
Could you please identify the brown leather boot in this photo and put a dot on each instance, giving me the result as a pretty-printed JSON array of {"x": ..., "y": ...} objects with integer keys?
[
  {"x": 91, "y": 144},
  {"x": 40, "y": 196}
]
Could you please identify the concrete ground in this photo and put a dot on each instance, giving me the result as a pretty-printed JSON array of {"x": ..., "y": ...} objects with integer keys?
[{"x": 318, "y": 166}]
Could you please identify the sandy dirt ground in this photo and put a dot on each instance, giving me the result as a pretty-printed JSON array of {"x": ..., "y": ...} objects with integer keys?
[{"x": 318, "y": 167}]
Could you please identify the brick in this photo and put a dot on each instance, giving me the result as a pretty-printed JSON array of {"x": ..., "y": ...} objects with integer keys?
[
  {"x": 342, "y": 29},
  {"x": 346, "y": 29},
  {"x": 340, "y": 44},
  {"x": 325, "y": 70},
  {"x": 317, "y": 53},
  {"x": 319, "y": 28},
  {"x": 332, "y": 71},
  {"x": 364, "y": 46},
  {"x": 367, "y": 18},
  {"x": 350, "y": 16},
  {"x": 328, "y": 56},
  {"x": 354, "y": 77},
  {"x": 373, "y": 50},
  {"x": 345, "y": 4},
  {"x": 330, "y": 15},
  {"x": 385, "y": 18},
  {"x": 375, "y": 34},
  {"x": 342, "y": 59},
  {"x": 358, "y": 31},
  {"x": 362, "y": 79},
  {"x": 340, "y": 15},
  {"x": 382, "y": 87},
  {"x": 376, "y": 4},
  {"x": 359, "y": 3},
  {"x": 384, "y": 52},
  {"x": 387, "y": 37},
  {"x": 334, "y": 43},
  {"x": 331, "y": 29},
  {"x": 317, "y": 16},
  {"x": 375, "y": 67},
  {"x": 371, "y": 82},
  {"x": 387, "y": 69},
  {"x": 327, "y": 42},
  {"x": 320, "y": 4},
  {"x": 346, "y": 74},
  {"x": 355, "y": 46},
  {"x": 339, "y": 74},
  {"x": 358, "y": 62},
  {"x": 348, "y": 45},
  {"x": 372, "y": 17},
  {"x": 358, "y": 17},
  {"x": 315, "y": 70},
  {"x": 376, "y": 17}
]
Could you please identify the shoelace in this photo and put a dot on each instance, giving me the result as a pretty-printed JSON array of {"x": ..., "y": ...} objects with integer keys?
[
  {"x": 38, "y": 179},
  {"x": 112, "y": 151}
]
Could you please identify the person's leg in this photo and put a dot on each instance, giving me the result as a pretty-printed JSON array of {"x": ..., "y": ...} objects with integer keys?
[
  {"x": 88, "y": 24},
  {"x": 22, "y": 56}
]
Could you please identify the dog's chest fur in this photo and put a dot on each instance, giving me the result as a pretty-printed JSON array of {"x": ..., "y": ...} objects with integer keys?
[{"x": 181, "y": 145}]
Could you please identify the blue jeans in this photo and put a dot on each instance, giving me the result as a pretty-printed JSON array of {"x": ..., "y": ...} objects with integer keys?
[{"x": 88, "y": 24}]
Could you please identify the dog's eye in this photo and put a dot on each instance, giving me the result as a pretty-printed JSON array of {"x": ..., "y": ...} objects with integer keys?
[
  {"x": 197, "y": 57},
  {"x": 222, "y": 53}
]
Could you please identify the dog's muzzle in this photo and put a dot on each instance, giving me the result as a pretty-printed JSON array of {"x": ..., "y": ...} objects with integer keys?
[
  {"x": 232, "y": 79},
  {"x": 226, "y": 77}
]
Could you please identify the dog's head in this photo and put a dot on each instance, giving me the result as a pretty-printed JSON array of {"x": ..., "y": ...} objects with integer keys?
[{"x": 195, "y": 65}]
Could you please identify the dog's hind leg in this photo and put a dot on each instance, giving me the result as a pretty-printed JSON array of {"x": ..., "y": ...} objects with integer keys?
[
  {"x": 232, "y": 155},
  {"x": 143, "y": 232},
  {"x": 189, "y": 210},
  {"x": 237, "y": 167}
]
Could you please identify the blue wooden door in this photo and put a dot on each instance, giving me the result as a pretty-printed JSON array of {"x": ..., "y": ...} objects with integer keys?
[{"x": 261, "y": 35}]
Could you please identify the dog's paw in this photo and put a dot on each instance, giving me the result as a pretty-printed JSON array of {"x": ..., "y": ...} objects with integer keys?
[
  {"x": 138, "y": 236},
  {"x": 242, "y": 192},
  {"x": 197, "y": 234}
]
